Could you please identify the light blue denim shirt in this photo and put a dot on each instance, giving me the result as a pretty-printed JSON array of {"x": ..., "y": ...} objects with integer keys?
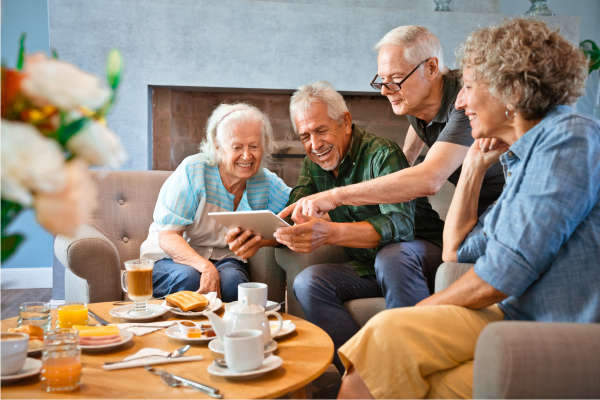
[{"x": 540, "y": 244}]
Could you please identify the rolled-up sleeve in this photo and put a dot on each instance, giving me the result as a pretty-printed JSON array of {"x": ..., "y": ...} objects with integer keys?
[
  {"x": 548, "y": 194},
  {"x": 475, "y": 243},
  {"x": 396, "y": 221},
  {"x": 177, "y": 202}
]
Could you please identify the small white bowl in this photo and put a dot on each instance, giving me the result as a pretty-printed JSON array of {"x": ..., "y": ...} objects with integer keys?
[{"x": 186, "y": 329}]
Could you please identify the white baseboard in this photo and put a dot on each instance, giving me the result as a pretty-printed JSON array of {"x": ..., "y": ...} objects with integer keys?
[{"x": 26, "y": 278}]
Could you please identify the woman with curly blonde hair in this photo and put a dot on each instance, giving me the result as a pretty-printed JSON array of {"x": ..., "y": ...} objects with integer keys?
[{"x": 535, "y": 252}]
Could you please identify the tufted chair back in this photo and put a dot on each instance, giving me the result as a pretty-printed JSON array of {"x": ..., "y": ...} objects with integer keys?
[{"x": 126, "y": 201}]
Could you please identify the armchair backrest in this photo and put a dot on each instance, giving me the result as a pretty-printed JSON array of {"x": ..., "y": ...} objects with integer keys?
[{"x": 126, "y": 201}]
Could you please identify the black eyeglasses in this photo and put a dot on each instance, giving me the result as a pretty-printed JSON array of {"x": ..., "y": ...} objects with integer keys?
[{"x": 392, "y": 86}]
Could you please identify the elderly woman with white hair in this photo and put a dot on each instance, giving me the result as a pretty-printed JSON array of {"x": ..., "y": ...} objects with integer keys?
[{"x": 226, "y": 175}]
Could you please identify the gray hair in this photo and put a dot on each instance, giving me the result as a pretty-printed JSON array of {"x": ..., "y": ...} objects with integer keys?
[
  {"x": 227, "y": 115},
  {"x": 320, "y": 92},
  {"x": 419, "y": 42}
]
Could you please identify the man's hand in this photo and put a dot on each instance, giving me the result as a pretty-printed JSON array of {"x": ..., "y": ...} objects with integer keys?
[
  {"x": 242, "y": 244},
  {"x": 484, "y": 153},
  {"x": 305, "y": 237},
  {"x": 315, "y": 205},
  {"x": 209, "y": 280}
]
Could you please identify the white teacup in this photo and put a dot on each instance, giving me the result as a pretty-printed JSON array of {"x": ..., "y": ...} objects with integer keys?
[
  {"x": 256, "y": 292},
  {"x": 14, "y": 352},
  {"x": 244, "y": 350}
]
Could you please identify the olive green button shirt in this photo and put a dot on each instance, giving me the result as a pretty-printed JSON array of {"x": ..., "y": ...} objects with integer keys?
[{"x": 370, "y": 157}]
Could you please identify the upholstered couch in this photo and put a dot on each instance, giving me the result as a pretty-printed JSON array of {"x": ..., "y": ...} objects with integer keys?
[{"x": 94, "y": 259}]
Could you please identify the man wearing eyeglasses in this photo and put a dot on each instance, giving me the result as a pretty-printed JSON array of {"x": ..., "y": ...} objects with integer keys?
[{"x": 418, "y": 85}]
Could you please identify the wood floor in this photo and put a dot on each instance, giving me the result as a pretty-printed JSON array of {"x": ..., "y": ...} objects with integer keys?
[{"x": 11, "y": 298}]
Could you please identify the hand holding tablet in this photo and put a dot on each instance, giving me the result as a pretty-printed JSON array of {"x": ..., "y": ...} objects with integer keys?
[{"x": 263, "y": 223}]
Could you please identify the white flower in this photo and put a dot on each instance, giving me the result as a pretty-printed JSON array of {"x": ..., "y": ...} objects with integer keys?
[
  {"x": 49, "y": 81},
  {"x": 97, "y": 145},
  {"x": 30, "y": 162},
  {"x": 62, "y": 212}
]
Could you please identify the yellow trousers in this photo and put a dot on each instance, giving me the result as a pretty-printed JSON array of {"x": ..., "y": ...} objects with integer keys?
[{"x": 419, "y": 352}]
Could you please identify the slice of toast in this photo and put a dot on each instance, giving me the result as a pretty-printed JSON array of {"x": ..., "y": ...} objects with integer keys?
[{"x": 187, "y": 301}]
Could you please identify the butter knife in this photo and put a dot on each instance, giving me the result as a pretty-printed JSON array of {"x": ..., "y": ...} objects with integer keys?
[
  {"x": 97, "y": 318},
  {"x": 190, "y": 383}
]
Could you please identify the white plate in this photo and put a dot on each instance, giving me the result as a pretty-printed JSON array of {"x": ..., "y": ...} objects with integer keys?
[
  {"x": 175, "y": 333},
  {"x": 121, "y": 312},
  {"x": 126, "y": 336},
  {"x": 284, "y": 332},
  {"x": 270, "y": 363},
  {"x": 269, "y": 303},
  {"x": 31, "y": 367},
  {"x": 34, "y": 351},
  {"x": 175, "y": 310},
  {"x": 217, "y": 346}
]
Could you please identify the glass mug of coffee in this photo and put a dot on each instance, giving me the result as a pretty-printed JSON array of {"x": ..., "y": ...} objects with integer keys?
[{"x": 137, "y": 283}]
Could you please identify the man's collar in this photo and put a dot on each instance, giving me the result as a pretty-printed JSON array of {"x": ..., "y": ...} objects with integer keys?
[
  {"x": 448, "y": 90},
  {"x": 355, "y": 140}
]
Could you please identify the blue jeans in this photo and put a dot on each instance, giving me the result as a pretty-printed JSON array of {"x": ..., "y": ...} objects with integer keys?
[
  {"x": 169, "y": 277},
  {"x": 404, "y": 275}
]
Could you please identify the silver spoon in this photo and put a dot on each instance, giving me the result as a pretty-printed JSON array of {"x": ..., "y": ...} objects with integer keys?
[
  {"x": 274, "y": 306},
  {"x": 174, "y": 354}
]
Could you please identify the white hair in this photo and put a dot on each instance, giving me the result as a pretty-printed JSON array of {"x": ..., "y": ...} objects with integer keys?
[
  {"x": 227, "y": 115},
  {"x": 419, "y": 42},
  {"x": 322, "y": 93}
]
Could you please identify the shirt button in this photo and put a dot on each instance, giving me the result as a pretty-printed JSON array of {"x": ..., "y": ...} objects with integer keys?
[
  {"x": 484, "y": 234},
  {"x": 121, "y": 202},
  {"x": 125, "y": 239},
  {"x": 353, "y": 163},
  {"x": 510, "y": 154},
  {"x": 509, "y": 174}
]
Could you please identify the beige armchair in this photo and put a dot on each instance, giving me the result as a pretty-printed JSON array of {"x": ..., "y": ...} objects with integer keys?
[{"x": 94, "y": 259}]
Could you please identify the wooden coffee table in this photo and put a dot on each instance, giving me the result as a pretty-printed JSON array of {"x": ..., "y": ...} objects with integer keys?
[{"x": 306, "y": 354}]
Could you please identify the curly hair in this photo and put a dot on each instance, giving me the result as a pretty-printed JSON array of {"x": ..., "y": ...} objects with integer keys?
[{"x": 526, "y": 64}]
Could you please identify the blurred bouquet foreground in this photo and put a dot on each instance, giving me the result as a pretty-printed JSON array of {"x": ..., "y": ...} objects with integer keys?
[{"x": 53, "y": 129}]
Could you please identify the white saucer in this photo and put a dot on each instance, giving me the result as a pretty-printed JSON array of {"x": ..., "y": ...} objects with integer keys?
[
  {"x": 216, "y": 305},
  {"x": 34, "y": 351},
  {"x": 269, "y": 303},
  {"x": 284, "y": 332},
  {"x": 121, "y": 312},
  {"x": 175, "y": 333},
  {"x": 31, "y": 367},
  {"x": 269, "y": 364},
  {"x": 217, "y": 346},
  {"x": 126, "y": 336}
]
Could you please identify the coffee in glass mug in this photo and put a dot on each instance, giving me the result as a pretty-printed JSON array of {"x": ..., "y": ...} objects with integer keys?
[{"x": 137, "y": 283}]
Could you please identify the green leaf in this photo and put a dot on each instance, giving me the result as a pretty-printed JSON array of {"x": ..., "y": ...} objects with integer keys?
[
  {"x": 9, "y": 211},
  {"x": 66, "y": 132},
  {"x": 54, "y": 54},
  {"x": 592, "y": 52},
  {"x": 21, "y": 56},
  {"x": 9, "y": 245}
]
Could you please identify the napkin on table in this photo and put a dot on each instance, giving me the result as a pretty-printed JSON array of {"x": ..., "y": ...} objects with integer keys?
[
  {"x": 148, "y": 351},
  {"x": 152, "y": 326}
]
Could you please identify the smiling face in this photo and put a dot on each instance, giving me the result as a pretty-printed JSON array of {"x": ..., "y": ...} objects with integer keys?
[
  {"x": 393, "y": 67},
  {"x": 324, "y": 141},
  {"x": 242, "y": 151},
  {"x": 487, "y": 114}
]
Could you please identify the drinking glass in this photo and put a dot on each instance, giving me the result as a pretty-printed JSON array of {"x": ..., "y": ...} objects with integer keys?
[
  {"x": 137, "y": 283},
  {"x": 35, "y": 313},
  {"x": 61, "y": 358},
  {"x": 70, "y": 314}
]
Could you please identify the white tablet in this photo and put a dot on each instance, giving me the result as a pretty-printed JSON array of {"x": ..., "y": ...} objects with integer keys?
[{"x": 263, "y": 223}]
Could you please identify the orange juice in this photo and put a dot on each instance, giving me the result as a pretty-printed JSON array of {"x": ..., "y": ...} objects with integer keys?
[
  {"x": 62, "y": 373},
  {"x": 72, "y": 314}
]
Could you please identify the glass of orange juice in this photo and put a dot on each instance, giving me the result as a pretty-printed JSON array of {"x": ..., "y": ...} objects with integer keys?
[
  {"x": 70, "y": 314},
  {"x": 61, "y": 360}
]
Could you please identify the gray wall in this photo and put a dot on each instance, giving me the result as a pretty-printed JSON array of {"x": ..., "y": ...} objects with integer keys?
[{"x": 30, "y": 16}]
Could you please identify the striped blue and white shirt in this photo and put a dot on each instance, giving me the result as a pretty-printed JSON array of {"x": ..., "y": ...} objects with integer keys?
[{"x": 194, "y": 190}]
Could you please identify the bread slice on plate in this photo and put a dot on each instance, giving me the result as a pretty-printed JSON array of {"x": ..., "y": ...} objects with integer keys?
[{"x": 187, "y": 301}]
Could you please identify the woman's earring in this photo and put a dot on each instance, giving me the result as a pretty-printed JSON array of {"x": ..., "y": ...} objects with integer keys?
[{"x": 506, "y": 113}]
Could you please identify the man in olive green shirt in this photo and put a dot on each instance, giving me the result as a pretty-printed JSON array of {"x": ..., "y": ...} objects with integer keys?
[{"x": 395, "y": 248}]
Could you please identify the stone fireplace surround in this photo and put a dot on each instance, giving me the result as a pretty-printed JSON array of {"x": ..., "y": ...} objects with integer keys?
[{"x": 269, "y": 46}]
